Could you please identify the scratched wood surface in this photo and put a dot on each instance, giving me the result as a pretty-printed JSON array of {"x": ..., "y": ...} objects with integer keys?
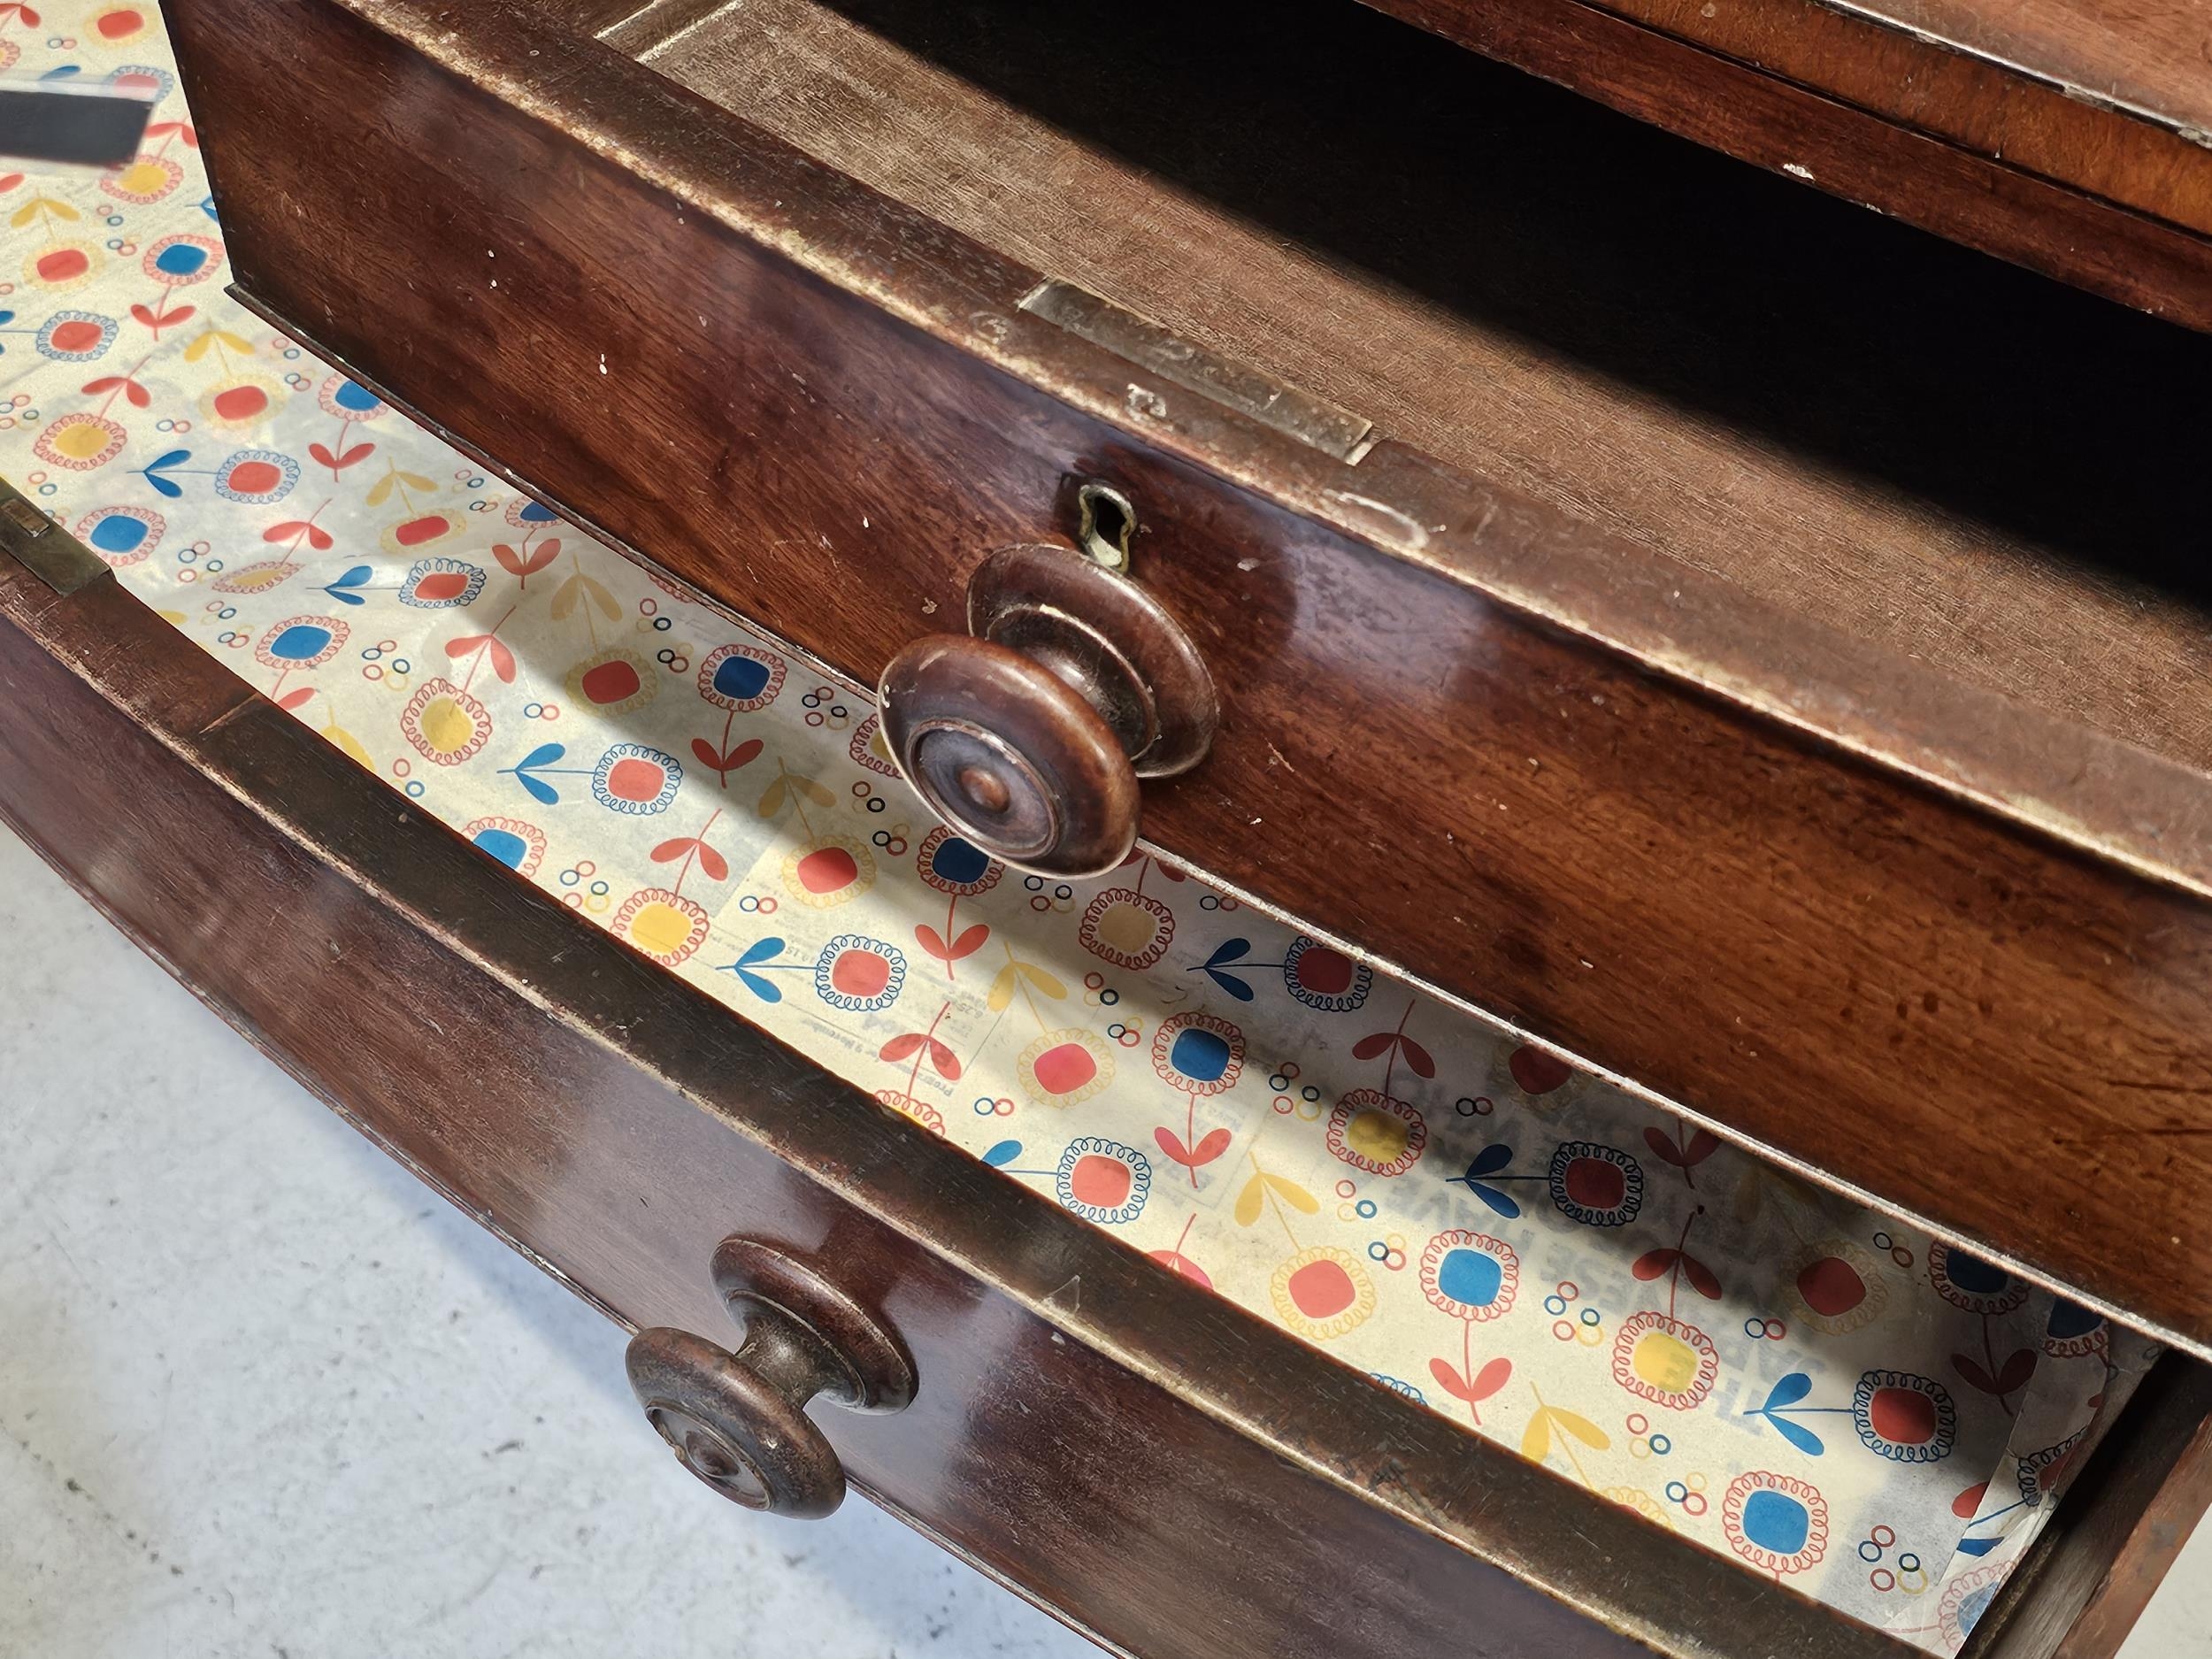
[
  {"x": 2148, "y": 59},
  {"x": 1883, "y": 983},
  {"x": 1712, "y": 364},
  {"x": 1155, "y": 1465}
]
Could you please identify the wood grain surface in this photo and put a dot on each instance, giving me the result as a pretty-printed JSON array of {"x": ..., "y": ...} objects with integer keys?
[
  {"x": 1830, "y": 413},
  {"x": 1900, "y": 992}
]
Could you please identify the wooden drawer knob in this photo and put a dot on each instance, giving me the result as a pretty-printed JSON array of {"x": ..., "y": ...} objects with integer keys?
[
  {"x": 738, "y": 1420},
  {"x": 1028, "y": 735}
]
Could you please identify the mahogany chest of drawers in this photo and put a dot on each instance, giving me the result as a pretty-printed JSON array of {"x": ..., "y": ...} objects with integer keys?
[{"x": 1746, "y": 649}]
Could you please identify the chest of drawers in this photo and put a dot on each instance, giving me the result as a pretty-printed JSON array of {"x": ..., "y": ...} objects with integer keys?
[{"x": 1607, "y": 613}]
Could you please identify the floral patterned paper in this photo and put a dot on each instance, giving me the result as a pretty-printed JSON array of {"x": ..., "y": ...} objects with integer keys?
[{"x": 1770, "y": 1370}]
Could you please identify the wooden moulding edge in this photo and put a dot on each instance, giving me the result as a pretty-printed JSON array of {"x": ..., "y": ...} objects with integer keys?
[
  {"x": 2066, "y": 782},
  {"x": 251, "y": 736}
]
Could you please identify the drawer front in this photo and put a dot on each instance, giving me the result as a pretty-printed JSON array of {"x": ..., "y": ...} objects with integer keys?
[
  {"x": 1141, "y": 1456},
  {"x": 1745, "y": 922}
]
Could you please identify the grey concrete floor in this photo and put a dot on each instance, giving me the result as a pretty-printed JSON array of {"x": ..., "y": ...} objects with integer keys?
[{"x": 263, "y": 1397}]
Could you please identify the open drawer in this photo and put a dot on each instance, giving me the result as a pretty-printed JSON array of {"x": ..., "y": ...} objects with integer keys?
[{"x": 1691, "y": 680}]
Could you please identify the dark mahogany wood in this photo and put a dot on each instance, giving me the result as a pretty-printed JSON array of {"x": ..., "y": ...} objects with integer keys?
[
  {"x": 1896, "y": 987},
  {"x": 1028, "y": 736},
  {"x": 1368, "y": 234},
  {"x": 1156, "y": 1466},
  {"x": 1107, "y": 637},
  {"x": 1145, "y": 1460},
  {"x": 1010, "y": 755},
  {"x": 2066, "y": 135},
  {"x": 738, "y": 1420}
]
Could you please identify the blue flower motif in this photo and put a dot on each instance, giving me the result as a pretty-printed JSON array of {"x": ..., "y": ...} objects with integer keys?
[{"x": 758, "y": 954}]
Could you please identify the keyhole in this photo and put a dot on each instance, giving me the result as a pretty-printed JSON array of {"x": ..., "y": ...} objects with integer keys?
[{"x": 1105, "y": 523}]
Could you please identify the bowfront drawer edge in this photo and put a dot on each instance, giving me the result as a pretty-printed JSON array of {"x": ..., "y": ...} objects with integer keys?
[
  {"x": 1757, "y": 1087},
  {"x": 2150, "y": 814},
  {"x": 1763, "y": 1147},
  {"x": 1512, "y": 1524}
]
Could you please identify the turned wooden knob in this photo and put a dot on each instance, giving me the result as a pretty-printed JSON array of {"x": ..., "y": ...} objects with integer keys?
[
  {"x": 1028, "y": 735},
  {"x": 738, "y": 1420},
  {"x": 1012, "y": 756}
]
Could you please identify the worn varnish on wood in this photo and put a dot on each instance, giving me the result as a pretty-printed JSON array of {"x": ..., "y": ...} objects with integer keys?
[
  {"x": 1844, "y": 420},
  {"x": 848, "y": 405}
]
